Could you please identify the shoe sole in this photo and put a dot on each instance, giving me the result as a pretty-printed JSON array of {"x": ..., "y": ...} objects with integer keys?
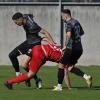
[{"x": 55, "y": 89}]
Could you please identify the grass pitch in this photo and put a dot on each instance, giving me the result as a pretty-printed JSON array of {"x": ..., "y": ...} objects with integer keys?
[{"x": 49, "y": 79}]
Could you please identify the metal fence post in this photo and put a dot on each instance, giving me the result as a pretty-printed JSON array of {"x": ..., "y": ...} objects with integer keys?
[{"x": 61, "y": 23}]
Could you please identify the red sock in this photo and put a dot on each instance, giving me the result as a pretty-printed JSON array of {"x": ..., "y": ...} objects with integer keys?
[{"x": 19, "y": 79}]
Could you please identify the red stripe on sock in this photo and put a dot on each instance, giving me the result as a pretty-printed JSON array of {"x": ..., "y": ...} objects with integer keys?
[{"x": 18, "y": 79}]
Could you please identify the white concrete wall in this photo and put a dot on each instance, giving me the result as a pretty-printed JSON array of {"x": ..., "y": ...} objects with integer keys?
[
  {"x": 11, "y": 35},
  {"x": 48, "y": 18}
]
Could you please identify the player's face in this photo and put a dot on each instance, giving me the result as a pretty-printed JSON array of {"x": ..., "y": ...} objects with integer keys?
[
  {"x": 63, "y": 15},
  {"x": 19, "y": 21}
]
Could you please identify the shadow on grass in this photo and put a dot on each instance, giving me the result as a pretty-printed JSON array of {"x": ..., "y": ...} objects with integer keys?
[
  {"x": 78, "y": 88},
  {"x": 86, "y": 88},
  {"x": 50, "y": 88}
]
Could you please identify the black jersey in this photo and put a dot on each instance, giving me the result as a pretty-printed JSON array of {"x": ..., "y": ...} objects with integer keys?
[
  {"x": 32, "y": 30},
  {"x": 75, "y": 28}
]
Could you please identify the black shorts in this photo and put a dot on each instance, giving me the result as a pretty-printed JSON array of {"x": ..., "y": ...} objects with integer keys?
[
  {"x": 71, "y": 56},
  {"x": 26, "y": 48}
]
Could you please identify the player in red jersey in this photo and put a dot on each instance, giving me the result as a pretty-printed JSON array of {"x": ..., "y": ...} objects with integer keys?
[
  {"x": 27, "y": 59},
  {"x": 40, "y": 54}
]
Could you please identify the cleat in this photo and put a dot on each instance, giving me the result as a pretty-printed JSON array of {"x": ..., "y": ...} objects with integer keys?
[
  {"x": 9, "y": 86},
  {"x": 89, "y": 81},
  {"x": 39, "y": 83},
  {"x": 56, "y": 88},
  {"x": 28, "y": 83}
]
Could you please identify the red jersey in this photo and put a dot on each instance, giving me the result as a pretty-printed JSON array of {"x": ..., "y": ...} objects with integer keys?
[{"x": 52, "y": 52}]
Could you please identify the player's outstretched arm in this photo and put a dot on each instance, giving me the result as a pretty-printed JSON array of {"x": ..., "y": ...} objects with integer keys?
[
  {"x": 47, "y": 39},
  {"x": 63, "y": 48},
  {"x": 47, "y": 34}
]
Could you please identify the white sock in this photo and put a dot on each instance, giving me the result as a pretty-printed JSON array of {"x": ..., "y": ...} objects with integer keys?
[
  {"x": 59, "y": 86},
  {"x": 18, "y": 73},
  {"x": 86, "y": 76}
]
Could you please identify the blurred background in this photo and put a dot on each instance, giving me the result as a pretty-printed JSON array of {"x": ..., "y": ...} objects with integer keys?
[
  {"x": 47, "y": 15},
  {"x": 49, "y": 0}
]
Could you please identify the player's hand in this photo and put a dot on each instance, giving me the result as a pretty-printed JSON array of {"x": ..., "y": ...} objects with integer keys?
[
  {"x": 57, "y": 45},
  {"x": 63, "y": 48}
]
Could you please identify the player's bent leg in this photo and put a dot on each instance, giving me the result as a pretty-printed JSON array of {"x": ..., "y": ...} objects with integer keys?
[
  {"x": 37, "y": 61},
  {"x": 28, "y": 82},
  {"x": 38, "y": 80},
  {"x": 89, "y": 81},
  {"x": 18, "y": 79},
  {"x": 13, "y": 57},
  {"x": 60, "y": 78},
  {"x": 76, "y": 71},
  {"x": 80, "y": 73},
  {"x": 25, "y": 63},
  {"x": 66, "y": 78}
]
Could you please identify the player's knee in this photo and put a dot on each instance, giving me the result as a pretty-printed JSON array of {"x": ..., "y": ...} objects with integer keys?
[
  {"x": 25, "y": 61},
  {"x": 11, "y": 56},
  {"x": 24, "y": 65},
  {"x": 66, "y": 70},
  {"x": 31, "y": 74},
  {"x": 61, "y": 66},
  {"x": 70, "y": 68}
]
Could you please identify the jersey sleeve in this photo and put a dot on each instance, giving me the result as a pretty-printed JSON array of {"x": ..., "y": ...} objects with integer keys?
[
  {"x": 81, "y": 31},
  {"x": 34, "y": 28},
  {"x": 68, "y": 27}
]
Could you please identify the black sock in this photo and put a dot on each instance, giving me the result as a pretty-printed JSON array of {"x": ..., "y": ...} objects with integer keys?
[
  {"x": 15, "y": 64},
  {"x": 60, "y": 75},
  {"x": 35, "y": 77},
  {"x": 77, "y": 71}
]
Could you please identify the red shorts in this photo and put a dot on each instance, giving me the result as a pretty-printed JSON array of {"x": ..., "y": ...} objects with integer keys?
[{"x": 38, "y": 59}]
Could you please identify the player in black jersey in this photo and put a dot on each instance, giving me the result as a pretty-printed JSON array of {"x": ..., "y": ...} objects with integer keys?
[
  {"x": 32, "y": 30},
  {"x": 73, "y": 50}
]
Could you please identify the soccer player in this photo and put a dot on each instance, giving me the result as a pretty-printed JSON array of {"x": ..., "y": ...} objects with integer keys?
[
  {"x": 40, "y": 54},
  {"x": 32, "y": 30},
  {"x": 73, "y": 49},
  {"x": 27, "y": 59}
]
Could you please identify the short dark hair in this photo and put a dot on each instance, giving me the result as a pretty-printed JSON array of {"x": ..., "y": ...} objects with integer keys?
[
  {"x": 66, "y": 11},
  {"x": 17, "y": 16}
]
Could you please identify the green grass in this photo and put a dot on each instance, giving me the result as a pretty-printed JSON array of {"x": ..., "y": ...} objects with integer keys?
[{"x": 48, "y": 74}]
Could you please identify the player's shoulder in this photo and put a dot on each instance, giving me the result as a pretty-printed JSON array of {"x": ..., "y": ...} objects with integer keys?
[
  {"x": 28, "y": 15},
  {"x": 73, "y": 21}
]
